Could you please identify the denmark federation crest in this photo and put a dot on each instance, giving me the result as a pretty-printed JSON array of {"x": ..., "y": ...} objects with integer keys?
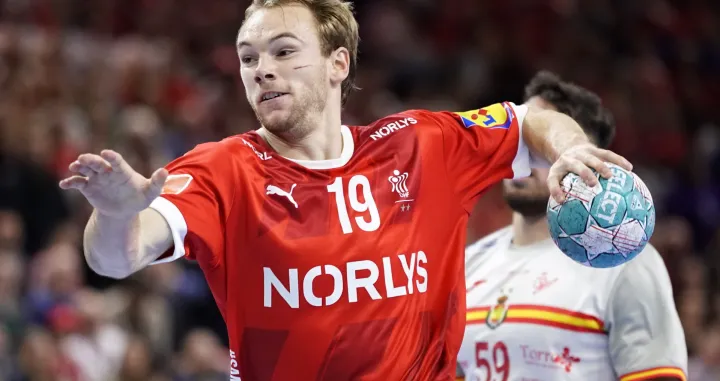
[{"x": 399, "y": 183}]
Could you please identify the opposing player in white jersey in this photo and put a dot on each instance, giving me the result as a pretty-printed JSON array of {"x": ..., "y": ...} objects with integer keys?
[{"x": 535, "y": 315}]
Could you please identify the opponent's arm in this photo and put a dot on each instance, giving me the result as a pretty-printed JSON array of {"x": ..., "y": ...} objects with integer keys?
[
  {"x": 123, "y": 235},
  {"x": 558, "y": 139},
  {"x": 646, "y": 339}
]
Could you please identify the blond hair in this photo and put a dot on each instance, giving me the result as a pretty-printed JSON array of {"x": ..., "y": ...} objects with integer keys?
[{"x": 336, "y": 27}]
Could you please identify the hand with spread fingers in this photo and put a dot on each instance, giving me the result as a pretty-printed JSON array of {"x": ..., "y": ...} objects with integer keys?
[
  {"x": 582, "y": 159},
  {"x": 111, "y": 186}
]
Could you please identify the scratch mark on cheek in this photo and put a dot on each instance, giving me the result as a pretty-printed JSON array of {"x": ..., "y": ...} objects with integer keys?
[{"x": 301, "y": 67}]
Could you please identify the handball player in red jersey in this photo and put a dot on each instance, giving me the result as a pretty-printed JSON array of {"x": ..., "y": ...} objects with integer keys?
[{"x": 333, "y": 252}]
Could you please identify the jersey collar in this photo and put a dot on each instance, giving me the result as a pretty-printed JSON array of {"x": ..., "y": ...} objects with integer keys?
[{"x": 347, "y": 152}]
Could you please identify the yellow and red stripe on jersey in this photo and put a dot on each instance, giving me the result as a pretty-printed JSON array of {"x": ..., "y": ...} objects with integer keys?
[
  {"x": 498, "y": 115},
  {"x": 542, "y": 315},
  {"x": 649, "y": 374}
]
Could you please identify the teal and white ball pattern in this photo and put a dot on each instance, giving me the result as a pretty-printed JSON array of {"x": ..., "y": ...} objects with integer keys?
[{"x": 606, "y": 225}]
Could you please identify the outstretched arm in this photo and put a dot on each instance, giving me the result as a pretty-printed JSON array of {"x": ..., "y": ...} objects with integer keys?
[
  {"x": 558, "y": 139},
  {"x": 123, "y": 234},
  {"x": 119, "y": 247}
]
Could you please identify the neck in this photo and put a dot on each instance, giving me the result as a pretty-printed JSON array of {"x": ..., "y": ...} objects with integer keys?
[
  {"x": 319, "y": 138},
  {"x": 529, "y": 230}
]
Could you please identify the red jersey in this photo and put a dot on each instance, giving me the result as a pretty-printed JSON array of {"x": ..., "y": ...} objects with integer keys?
[{"x": 343, "y": 269}]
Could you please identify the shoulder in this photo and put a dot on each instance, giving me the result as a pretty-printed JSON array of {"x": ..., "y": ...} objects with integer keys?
[
  {"x": 644, "y": 272},
  {"x": 649, "y": 257},
  {"x": 649, "y": 260},
  {"x": 647, "y": 268},
  {"x": 481, "y": 252},
  {"x": 487, "y": 243},
  {"x": 214, "y": 162},
  {"x": 399, "y": 123},
  {"x": 646, "y": 275},
  {"x": 221, "y": 152},
  {"x": 423, "y": 121}
]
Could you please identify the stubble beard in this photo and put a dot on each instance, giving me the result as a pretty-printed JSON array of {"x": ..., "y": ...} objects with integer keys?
[
  {"x": 529, "y": 206},
  {"x": 303, "y": 115}
]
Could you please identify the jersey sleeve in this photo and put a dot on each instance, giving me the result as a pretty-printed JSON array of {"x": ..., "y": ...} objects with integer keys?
[
  {"x": 484, "y": 146},
  {"x": 646, "y": 338},
  {"x": 195, "y": 202}
]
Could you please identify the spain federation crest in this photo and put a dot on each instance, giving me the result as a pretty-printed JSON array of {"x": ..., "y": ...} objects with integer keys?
[
  {"x": 498, "y": 312},
  {"x": 499, "y": 115}
]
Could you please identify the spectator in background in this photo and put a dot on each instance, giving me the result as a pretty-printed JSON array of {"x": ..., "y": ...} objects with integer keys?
[
  {"x": 94, "y": 343},
  {"x": 11, "y": 318},
  {"x": 202, "y": 358},
  {"x": 7, "y": 362},
  {"x": 139, "y": 363},
  {"x": 31, "y": 194},
  {"x": 40, "y": 359},
  {"x": 705, "y": 366}
]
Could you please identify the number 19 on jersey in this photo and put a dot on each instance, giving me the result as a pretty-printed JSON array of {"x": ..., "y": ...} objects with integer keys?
[{"x": 371, "y": 221}]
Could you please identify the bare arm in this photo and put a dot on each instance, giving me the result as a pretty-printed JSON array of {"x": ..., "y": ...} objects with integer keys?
[
  {"x": 119, "y": 247},
  {"x": 550, "y": 133},
  {"x": 558, "y": 139},
  {"x": 123, "y": 235}
]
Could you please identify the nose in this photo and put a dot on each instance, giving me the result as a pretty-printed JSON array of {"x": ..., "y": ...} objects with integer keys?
[
  {"x": 265, "y": 76},
  {"x": 265, "y": 71}
]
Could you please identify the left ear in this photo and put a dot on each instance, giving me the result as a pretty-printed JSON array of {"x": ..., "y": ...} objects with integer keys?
[{"x": 339, "y": 65}]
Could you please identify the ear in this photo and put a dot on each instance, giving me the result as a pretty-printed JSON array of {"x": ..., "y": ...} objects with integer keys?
[{"x": 339, "y": 65}]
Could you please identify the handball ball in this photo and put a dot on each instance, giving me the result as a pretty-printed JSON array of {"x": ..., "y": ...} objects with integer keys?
[{"x": 606, "y": 225}]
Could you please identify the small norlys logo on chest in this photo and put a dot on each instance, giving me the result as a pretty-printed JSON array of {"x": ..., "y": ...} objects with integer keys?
[
  {"x": 260, "y": 155},
  {"x": 392, "y": 127}
]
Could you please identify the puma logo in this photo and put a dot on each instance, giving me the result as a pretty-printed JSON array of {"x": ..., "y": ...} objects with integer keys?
[{"x": 272, "y": 189}]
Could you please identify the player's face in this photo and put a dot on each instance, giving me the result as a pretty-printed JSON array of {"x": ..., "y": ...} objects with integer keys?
[
  {"x": 529, "y": 196},
  {"x": 282, "y": 66}
]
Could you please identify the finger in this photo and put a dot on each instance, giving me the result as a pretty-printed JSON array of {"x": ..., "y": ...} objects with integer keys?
[
  {"x": 94, "y": 162},
  {"x": 75, "y": 166},
  {"x": 612, "y": 157},
  {"x": 115, "y": 160},
  {"x": 600, "y": 166},
  {"x": 556, "y": 191},
  {"x": 582, "y": 170},
  {"x": 74, "y": 182},
  {"x": 157, "y": 181}
]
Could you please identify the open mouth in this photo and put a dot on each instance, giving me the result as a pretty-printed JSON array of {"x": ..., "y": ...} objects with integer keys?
[{"x": 270, "y": 96}]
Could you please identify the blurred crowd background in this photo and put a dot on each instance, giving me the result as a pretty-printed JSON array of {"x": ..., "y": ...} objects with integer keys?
[{"x": 153, "y": 78}]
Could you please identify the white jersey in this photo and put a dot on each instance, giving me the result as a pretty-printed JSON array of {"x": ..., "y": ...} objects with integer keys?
[{"x": 535, "y": 315}]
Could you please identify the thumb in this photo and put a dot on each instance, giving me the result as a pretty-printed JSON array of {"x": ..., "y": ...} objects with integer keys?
[{"x": 157, "y": 181}]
